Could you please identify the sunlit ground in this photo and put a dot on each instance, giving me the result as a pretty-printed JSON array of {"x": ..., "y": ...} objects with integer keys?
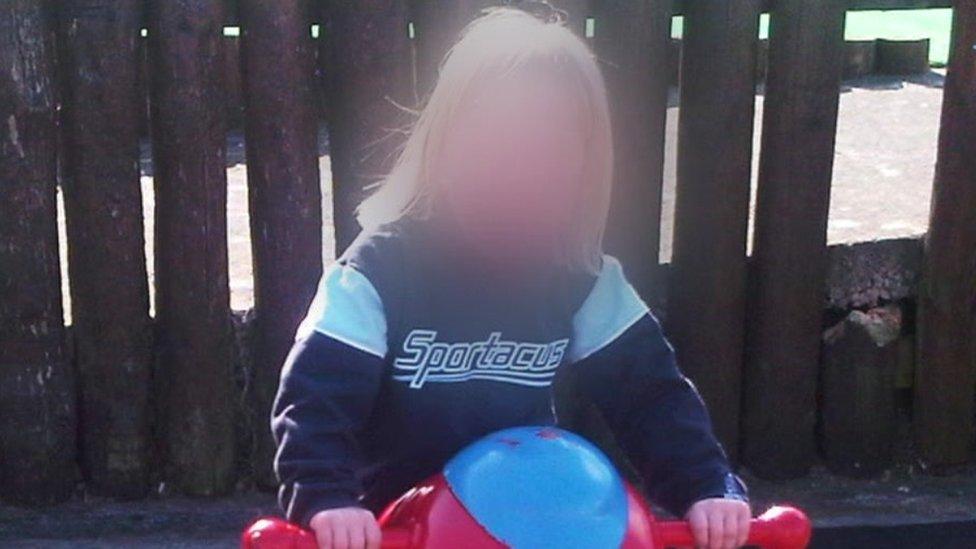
[{"x": 933, "y": 24}]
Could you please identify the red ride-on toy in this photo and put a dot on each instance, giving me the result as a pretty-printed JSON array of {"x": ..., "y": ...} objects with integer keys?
[{"x": 528, "y": 488}]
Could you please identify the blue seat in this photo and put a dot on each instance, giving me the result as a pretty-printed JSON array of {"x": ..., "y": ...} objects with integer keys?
[{"x": 535, "y": 487}]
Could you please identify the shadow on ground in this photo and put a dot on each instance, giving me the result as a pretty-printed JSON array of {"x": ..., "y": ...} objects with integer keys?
[{"x": 901, "y": 510}]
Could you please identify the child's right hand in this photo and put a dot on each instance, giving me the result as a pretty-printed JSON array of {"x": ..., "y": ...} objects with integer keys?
[{"x": 346, "y": 528}]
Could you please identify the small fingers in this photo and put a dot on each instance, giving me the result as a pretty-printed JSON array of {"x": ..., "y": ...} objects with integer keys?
[
  {"x": 744, "y": 517},
  {"x": 357, "y": 535},
  {"x": 699, "y": 526},
  {"x": 730, "y": 530},
  {"x": 340, "y": 536},
  {"x": 323, "y": 536},
  {"x": 716, "y": 530},
  {"x": 374, "y": 537}
]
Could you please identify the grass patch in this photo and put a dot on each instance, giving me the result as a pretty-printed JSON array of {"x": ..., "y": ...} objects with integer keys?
[
  {"x": 934, "y": 24},
  {"x": 904, "y": 25}
]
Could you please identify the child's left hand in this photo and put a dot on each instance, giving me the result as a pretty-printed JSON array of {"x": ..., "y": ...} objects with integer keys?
[{"x": 719, "y": 523}]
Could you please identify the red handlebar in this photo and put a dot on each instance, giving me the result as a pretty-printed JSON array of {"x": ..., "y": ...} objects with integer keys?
[
  {"x": 778, "y": 528},
  {"x": 275, "y": 533}
]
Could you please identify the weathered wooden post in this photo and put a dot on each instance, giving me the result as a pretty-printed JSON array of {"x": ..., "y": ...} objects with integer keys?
[
  {"x": 367, "y": 63},
  {"x": 631, "y": 39},
  {"x": 706, "y": 300},
  {"x": 946, "y": 371},
  {"x": 285, "y": 201},
  {"x": 233, "y": 91},
  {"x": 143, "y": 84},
  {"x": 107, "y": 261},
  {"x": 859, "y": 416},
  {"x": 37, "y": 394},
  {"x": 789, "y": 253},
  {"x": 192, "y": 296}
]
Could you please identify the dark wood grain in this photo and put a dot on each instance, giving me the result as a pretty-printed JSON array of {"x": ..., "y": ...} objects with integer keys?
[
  {"x": 790, "y": 252},
  {"x": 859, "y": 418},
  {"x": 192, "y": 295},
  {"x": 284, "y": 200},
  {"x": 106, "y": 257},
  {"x": 631, "y": 40},
  {"x": 367, "y": 62},
  {"x": 37, "y": 392},
  {"x": 706, "y": 299},
  {"x": 232, "y": 19},
  {"x": 946, "y": 371}
]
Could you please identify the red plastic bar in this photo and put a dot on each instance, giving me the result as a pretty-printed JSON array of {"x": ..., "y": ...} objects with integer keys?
[
  {"x": 778, "y": 528},
  {"x": 276, "y": 533}
]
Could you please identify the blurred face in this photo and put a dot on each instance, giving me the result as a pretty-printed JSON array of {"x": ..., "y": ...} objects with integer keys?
[{"x": 510, "y": 171}]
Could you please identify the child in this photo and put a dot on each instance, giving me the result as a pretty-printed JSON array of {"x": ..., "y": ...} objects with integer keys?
[{"x": 478, "y": 278}]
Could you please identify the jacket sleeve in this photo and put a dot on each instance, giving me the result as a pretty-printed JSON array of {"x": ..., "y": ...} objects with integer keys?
[
  {"x": 328, "y": 389},
  {"x": 629, "y": 371}
]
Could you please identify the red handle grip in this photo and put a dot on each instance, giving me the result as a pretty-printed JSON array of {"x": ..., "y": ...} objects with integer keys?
[
  {"x": 275, "y": 533},
  {"x": 778, "y": 528}
]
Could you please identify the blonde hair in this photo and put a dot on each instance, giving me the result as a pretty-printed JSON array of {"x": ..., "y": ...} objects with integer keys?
[{"x": 501, "y": 42}]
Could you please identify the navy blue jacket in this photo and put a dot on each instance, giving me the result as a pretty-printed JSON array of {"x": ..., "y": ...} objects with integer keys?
[{"x": 404, "y": 359}]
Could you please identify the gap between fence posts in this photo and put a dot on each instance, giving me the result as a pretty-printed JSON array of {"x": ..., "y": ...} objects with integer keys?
[
  {"x": 631, "y": 41},
  {"x": 194, "y": 342},
  {"x": 946, "y": 371},
  {"x": 106, "y": 249},
  {"x": 367, "y": 63},
  {"x": 706, "y": 297},
  {"x": 284, "y": 197},
  {"x": 37, "y": 392},
  {"x": 786, "y": 284}
]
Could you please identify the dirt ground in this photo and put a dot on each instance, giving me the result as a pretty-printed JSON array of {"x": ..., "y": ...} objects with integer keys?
[{"x": 885, "y": 156}]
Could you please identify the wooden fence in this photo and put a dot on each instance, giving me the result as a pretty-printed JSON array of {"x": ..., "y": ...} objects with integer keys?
[{"x": 134, "y": 387}]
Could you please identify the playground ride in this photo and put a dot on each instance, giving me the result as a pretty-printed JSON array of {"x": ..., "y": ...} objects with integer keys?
[{"x": 528, "y": 488}]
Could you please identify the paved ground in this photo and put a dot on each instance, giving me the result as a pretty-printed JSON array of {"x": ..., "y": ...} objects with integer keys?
[
  {"x": 882, "y": 178},
  {"x": 883, "y": 166},
  {"x": 154, "y": 523},
  {"x": 901, "y": 510}
]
